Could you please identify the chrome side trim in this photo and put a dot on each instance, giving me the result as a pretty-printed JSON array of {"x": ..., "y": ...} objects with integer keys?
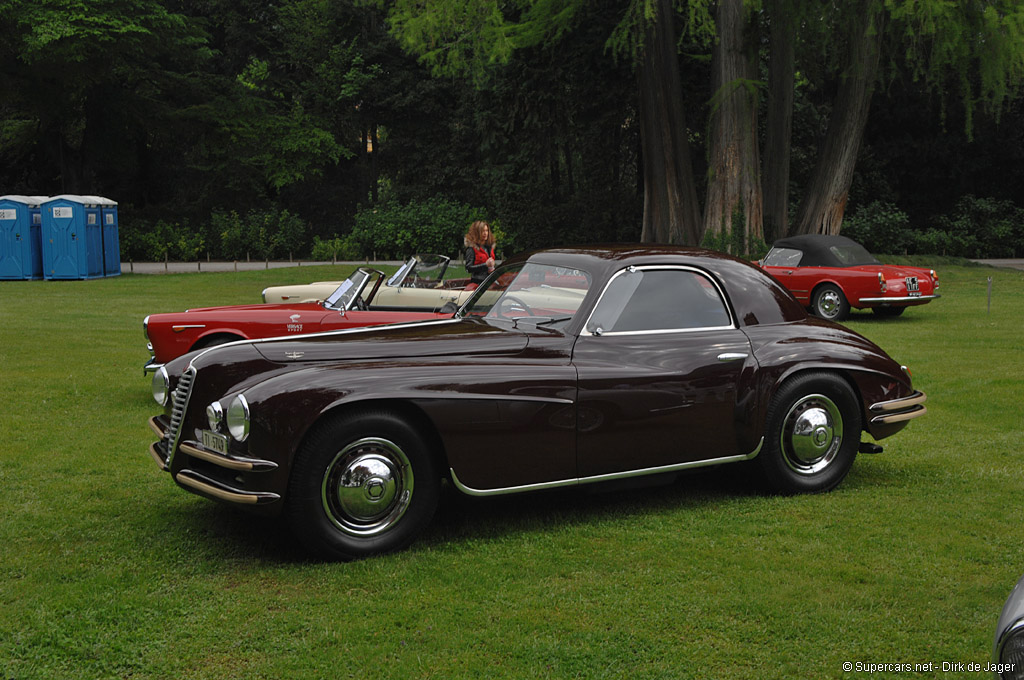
[
  {"x": 899, "y": 299},
  {"x": 180, "y": 327},
  {"x": 196, "y": 481},
  {"x": 611, "y": 476},
  {"x": 916, "y": 412},
  {"x": 229, "y": 462},
  {"x": 899, "y": 404}
]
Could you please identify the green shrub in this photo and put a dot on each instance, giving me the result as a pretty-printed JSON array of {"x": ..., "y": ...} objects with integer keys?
[
  {"x": 880, "y": 227},
  {"x": 393, "y": 231},
  {"x": 984, "y": 227},
  {"x": 261, "y": 235},
  {"x": 336, "y": 248}
]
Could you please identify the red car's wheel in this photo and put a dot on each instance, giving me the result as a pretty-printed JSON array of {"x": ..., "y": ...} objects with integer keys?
[{"x": 830, "y": 303}]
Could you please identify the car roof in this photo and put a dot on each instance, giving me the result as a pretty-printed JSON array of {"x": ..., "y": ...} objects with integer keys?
[
  {"x": 816, "y": 248},
  {"x": 756, "y": 297}
]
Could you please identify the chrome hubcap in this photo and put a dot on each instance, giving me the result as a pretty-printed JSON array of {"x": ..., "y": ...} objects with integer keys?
[
  {"x": 812, "y": 434},
  {"x": 367, "y": 487},
  {"x": 828, "y": 303}
]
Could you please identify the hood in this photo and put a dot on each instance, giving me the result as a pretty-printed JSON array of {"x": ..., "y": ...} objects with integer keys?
[
  {"x": 447, "y": 337},
  {"x": 307, "y": 307}
]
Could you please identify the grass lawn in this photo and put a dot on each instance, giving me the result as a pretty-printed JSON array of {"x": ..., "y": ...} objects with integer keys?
[{"x": 108, "y": 570}]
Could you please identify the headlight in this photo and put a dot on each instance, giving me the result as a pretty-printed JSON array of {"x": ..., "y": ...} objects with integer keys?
[
  {"x": 238, "y": 418},
  {"x": 1010, "y": 650},
  {"x": 161, "y": 386},
  {"x": 215, "y": 415}
]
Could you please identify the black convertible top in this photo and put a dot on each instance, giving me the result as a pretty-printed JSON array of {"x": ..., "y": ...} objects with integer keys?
[{"x": 822, "y": 250}]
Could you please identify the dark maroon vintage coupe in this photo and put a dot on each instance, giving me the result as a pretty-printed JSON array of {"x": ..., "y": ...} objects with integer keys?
[{"x": 567, "y": 367}]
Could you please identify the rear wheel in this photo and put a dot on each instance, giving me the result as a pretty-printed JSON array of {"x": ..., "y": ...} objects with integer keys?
[
  {"x": 813, "y": 434},
  {"x": 888, "y": 311},
  {"x": 830, "y": 303},
  {"x": 362, "y": 484}
]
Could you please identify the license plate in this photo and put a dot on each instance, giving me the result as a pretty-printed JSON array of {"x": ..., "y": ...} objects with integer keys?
[
  {"x": 912, "y": 286},
  {"x": 215, "y": 442}
]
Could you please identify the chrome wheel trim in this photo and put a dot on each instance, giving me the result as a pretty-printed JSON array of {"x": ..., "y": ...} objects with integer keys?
[
  {"x": 367, "y": 487},
  {"x": 812, "y": 434},
  {"x": 829, "y": 303}
]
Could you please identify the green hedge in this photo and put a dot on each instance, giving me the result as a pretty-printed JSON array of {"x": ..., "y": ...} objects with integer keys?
[{"x": 977, "y": 227}]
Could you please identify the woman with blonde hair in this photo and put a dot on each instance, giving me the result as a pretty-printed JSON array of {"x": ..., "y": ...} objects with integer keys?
[{"x": 479, "y": 253}]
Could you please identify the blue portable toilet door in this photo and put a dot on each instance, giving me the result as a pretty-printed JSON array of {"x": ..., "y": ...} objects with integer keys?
[
  {"x": 64, "y": 243},
  {"x": 11, "y": 255}
]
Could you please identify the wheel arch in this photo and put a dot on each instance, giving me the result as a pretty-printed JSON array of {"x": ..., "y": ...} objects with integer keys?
[
  {"x": 404, "y": 408},
  {"x": 846, "y": 373},
  {"x": 217, "y": 337}
]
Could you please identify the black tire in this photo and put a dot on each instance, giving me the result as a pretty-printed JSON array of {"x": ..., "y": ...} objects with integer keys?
[
  {"x": 830, "y": 303},
  {"x": 362, "y": 484},
  {"x": 888, "y": 311},
  {"x": 812, "y": 435}
]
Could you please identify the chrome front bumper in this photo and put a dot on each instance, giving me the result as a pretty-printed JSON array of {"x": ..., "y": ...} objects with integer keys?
[
  {"x": 203, "y": 484},
  {"x": 898, "y": 410},
  {"x": 151, "y": 366}
]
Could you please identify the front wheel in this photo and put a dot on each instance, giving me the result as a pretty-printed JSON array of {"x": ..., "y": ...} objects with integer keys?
[
  {"x": 830, "y": 303},
  {"x": 362, "y": 484},
  {"x": 812, "y": 436}
]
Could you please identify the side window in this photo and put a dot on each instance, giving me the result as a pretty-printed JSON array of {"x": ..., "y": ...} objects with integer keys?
[
  {"x": 659, "y": 300},
  {"x": 783, "y": 257}
]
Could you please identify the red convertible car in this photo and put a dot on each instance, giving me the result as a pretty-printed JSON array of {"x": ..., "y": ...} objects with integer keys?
[
  {"x": 349, "y": 306},
  {"x": 566, "y": 367},
  {"x": 831, "y": 274}
]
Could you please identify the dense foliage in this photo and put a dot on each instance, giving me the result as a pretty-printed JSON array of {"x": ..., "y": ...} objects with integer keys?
[{"x": 302, "y": 128}]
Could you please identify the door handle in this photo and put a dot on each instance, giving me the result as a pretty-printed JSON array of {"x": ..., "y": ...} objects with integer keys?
[{"x": 732, "y": 356}]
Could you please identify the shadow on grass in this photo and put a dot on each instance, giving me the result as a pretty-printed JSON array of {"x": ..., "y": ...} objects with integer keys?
[
  {"x": 211, "y": 533},
  {"x": 222, "y": 537}
]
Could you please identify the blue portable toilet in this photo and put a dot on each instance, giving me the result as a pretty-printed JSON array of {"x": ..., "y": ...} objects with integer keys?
[
  {"x": 72, "y": 238},
  {"x": 21, "y": 254},
  {"x": 110, "y": 237}
]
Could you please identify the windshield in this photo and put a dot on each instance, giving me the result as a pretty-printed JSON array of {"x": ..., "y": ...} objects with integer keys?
[
  {"x": 530, "y": 293},
  {"x": 345, "y": 294},
  {"x": 420, "y": 271}
]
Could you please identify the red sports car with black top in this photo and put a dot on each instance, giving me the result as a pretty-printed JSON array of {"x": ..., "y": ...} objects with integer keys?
[{"x": 831, "y": 274}]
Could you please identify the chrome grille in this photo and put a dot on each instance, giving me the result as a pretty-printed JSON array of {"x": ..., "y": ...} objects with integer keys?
[{"x": 179, "y": 402}]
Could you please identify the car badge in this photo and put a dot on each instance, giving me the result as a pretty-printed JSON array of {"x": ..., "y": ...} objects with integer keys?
[
  {"x": 294, "y": 355},
  {"x": 295, "y": 317}
]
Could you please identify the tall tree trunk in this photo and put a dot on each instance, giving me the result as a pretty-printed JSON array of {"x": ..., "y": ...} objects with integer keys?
[
  {"x": 821, "y": 211},
  {"x": 671, "y": 210},
  {"x": 779, "y": 128},
  {"x": 734, "y": 182}
]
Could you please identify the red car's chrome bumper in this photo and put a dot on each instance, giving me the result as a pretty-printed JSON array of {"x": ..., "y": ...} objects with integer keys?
[
  {"x": 897, "y": 300},
  {"x": 899, "y": 410}
]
